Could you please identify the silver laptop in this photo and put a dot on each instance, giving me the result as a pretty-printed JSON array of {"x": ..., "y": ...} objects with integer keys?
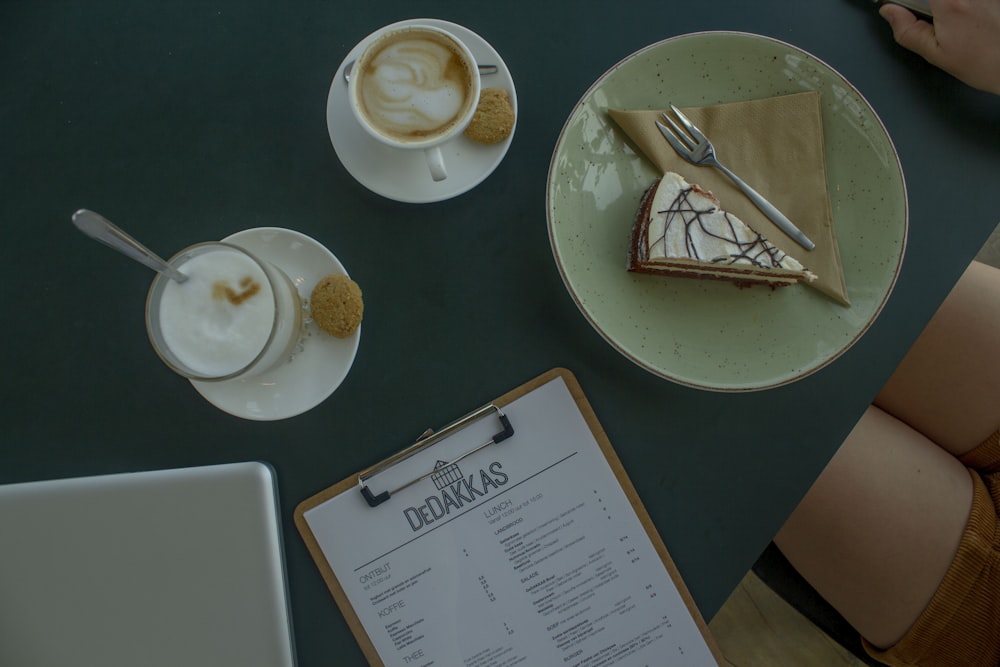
[{"x": 172, "y": 567}]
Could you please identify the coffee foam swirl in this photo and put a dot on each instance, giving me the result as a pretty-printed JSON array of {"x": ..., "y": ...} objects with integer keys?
[{"x": 414, "y": 87}]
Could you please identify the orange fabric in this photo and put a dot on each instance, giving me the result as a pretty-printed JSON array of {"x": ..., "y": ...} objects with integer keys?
[{"x": 961, "y": 624}]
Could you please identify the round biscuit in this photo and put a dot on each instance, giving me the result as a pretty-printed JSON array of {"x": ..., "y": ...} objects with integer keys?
[
  {"x": 336, "y": 305},
  {"x": 494, "y": 117}
]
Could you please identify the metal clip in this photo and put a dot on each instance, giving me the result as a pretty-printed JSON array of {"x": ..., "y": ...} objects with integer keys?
[{"x": 377, "y": 499}]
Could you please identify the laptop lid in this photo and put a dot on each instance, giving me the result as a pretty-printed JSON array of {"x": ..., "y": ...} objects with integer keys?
[{"x": 171, "y": 567}]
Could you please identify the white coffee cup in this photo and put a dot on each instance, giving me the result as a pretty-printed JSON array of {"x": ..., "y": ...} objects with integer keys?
[{"x": 415, "y": 87}]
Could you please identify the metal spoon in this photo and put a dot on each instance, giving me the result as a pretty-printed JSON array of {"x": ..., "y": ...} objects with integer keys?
[
  {"x": 483, "y": 69},
  {"x": 101, "y": 229}
]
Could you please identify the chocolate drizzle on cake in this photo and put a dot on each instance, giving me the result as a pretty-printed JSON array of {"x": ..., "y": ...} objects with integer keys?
[
  {"x": 756, "y": 251},
  {"x": 681, "y": 230}
]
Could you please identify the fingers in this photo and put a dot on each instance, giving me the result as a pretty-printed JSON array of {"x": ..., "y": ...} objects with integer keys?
[
  {"x": 912, "y": 33},
  {"x": 962, "y": 40}
]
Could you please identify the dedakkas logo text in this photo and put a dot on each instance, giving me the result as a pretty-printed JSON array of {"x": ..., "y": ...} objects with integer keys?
[{"x": 454, "y": 492}]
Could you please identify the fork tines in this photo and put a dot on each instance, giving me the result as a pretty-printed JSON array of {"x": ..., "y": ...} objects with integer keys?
[
  {"x": 688, "y": 125},
  {"x": 689, "y": 134}
]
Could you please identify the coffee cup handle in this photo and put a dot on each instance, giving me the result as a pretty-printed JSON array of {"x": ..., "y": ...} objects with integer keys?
[{"x": 435, "y": 162}]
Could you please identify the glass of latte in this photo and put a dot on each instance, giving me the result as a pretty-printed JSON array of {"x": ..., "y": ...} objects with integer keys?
[
  {"x": 236, "y": 316},
  {"x": 415, "y": 88}
]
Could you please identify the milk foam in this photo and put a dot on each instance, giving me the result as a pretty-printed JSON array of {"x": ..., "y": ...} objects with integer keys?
[
  {"x": 214, "y": 322},
  {"x": 414, "y": 87}
]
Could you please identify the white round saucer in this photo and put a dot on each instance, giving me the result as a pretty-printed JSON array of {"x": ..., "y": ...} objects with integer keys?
[
  {"x": 323, "y": 362},
  {"x": 401, "y": 174}
]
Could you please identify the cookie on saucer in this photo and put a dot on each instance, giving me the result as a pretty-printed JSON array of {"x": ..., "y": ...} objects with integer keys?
[
  {"x": 336, "y": 305},
  {"x": 494, "y": 117}
]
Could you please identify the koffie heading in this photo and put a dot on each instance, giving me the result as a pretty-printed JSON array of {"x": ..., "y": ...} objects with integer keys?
[{"x": 455, "y": 495}]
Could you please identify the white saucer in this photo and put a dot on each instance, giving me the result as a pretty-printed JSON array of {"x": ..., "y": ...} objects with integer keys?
[
  {"x": 322, "y": 364},
  {"x": 400, "y": 174}
]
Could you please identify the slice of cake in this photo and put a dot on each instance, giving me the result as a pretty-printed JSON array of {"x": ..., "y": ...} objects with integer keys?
[{"x": 680, "y": 230}]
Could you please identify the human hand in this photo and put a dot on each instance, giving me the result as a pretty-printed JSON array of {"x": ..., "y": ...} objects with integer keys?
[{"x": 963, "y": 40}]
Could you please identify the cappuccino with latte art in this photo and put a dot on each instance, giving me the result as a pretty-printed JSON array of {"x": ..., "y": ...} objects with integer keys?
[{"x": 415, "y": 85}]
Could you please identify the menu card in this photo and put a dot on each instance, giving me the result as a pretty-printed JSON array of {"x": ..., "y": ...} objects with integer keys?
[{"x": 528, "y": 552}]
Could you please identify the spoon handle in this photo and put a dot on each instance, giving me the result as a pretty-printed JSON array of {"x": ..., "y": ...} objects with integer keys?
[{"x": 101, "y": 229}]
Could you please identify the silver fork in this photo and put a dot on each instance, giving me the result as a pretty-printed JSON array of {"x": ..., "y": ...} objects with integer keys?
[{"x": 692, "y": 145}]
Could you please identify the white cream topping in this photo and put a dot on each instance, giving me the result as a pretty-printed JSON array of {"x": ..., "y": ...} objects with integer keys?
[{"x": 686, "y": 222}]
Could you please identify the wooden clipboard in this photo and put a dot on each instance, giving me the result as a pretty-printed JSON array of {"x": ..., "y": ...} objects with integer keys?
[{"x": 352, "y": 482}]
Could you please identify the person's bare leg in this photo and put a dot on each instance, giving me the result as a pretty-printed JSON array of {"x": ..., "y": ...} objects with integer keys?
[
  {"x": 877, "y": 531},
  {"x": 948, "y": 385}
]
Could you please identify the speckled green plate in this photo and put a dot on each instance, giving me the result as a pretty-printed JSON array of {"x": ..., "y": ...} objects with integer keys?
[{"x": 709, "y": 334}]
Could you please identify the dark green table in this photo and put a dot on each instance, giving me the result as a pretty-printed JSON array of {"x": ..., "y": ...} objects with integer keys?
[{"x": 186, "y": 121}]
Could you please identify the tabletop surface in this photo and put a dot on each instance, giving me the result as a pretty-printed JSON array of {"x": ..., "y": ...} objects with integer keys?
[{"x": 185, "y": 122}]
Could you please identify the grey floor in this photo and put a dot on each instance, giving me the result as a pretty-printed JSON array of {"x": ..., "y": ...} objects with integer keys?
[{"x": 990, "y": 254}]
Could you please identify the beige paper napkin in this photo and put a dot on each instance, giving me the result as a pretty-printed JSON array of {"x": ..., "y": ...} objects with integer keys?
[{"x": 775, "y": 145}]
